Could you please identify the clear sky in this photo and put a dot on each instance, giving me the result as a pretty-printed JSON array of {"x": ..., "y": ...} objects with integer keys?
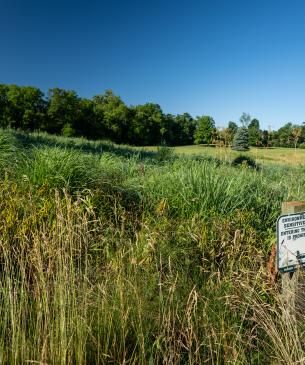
[{"x": 216, "y": 57}]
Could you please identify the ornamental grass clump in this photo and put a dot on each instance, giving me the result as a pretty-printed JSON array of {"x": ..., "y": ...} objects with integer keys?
[{"x": 59, "y": 168}]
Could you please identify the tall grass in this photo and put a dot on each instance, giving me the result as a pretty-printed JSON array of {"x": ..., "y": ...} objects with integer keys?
[
  {"x": 8, "y": 152},
  {"x": 112, "y": 259}
]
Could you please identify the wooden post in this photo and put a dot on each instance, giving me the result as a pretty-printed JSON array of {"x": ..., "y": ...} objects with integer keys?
[{"x": 293, "y": 283}]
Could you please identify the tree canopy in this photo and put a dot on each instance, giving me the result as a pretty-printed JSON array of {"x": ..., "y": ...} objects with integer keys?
[
  {"x": 205, "y": 130},
  {"x": 106, "y": 116}
]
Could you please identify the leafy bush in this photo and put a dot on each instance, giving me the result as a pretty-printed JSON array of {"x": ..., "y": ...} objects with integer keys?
[
  {"x": 245, "y": 161},
  {"x": 68, "y": 130}
]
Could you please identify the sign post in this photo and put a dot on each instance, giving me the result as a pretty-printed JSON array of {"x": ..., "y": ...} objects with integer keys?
[{"x": 291, "y": 252}]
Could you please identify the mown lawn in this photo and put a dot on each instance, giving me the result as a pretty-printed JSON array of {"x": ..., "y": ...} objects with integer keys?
[{"x": 261, "y": 155}]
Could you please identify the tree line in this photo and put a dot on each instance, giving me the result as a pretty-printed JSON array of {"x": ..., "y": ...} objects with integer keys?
[{"x": 106, "y": 116}]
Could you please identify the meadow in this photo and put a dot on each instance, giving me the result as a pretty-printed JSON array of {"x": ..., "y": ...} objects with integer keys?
[
  {"x": 116, "y": 255},
  {"x": 276, "y": 155}
]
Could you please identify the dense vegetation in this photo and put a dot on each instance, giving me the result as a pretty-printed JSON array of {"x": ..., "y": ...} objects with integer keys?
[
  {"x": 116, "y": 255},
  {"x": 106, "y": 116}
]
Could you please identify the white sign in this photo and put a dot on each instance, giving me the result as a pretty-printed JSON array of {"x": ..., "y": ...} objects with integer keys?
[{"x": 291, "y": 242}]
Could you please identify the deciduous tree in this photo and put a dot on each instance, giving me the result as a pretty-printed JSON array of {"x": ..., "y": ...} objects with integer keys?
[
  {"x": 254, "y": 133},
  {"x": 205, "y": 130}
]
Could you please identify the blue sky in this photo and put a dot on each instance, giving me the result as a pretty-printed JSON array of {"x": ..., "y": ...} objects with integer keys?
[{"x": 216, "y": 57}]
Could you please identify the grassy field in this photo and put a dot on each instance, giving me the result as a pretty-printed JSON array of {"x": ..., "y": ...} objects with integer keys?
[
  {"x": 112, "y": 255},
  {"x": 261, "y": 155}
]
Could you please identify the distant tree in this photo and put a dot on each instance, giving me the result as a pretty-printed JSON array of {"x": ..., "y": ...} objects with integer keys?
[
  {"x": 21, "y": 107},
  {"x": 63, "y": 109},
  {"x": 35, "y": 108},
  {"x": 147, "y": 125},
  {"x": 285, "y": 135},
  {"x": 168, "y": 132},
  {"x": 254, "y": 124},
  {"x": 107, "y": 116},
  {"x": 245, "y": 120},
  {"x": 241, "y": 139},
  {"x": 296, "y": 133},
  {"x": 254, "y": 133},
  {"x": 302, "y": 139},
  {"x": 265, "y": 138},
  {"x": 4, "y": 106},
  {"x": 112, "y": 115},
  {"x": 232, "y": 129},
  {"x": 215, "y": 136},
  {"x": 225, "y": 136},
  {"x": 87, "y": 124},
  {"x": 233, "y": 126},
  {"x": 184, "y": 129},
  {"x": 205, "y": 131}
]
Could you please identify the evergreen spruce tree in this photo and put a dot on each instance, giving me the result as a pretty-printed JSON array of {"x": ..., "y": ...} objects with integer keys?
[{"x": 241, "y": 140}]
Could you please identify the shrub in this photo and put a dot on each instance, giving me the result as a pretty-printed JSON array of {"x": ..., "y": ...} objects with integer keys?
[
  {"x": 68, "y": 130},
  {"x": 245, "y": 161}
]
